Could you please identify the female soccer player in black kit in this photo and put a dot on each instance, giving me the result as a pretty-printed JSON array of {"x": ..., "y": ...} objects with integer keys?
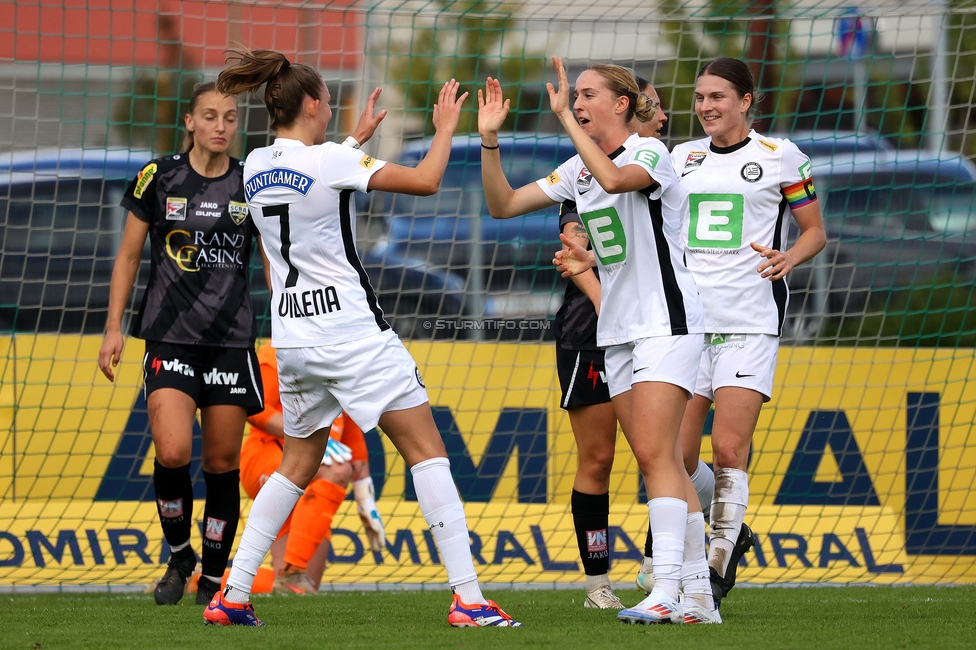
[{"x": 197, "y": 321}]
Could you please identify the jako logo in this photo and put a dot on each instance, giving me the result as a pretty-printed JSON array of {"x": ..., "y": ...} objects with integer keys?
[
  {"x": 214, "y": 378},
  {"x": 596, "y": 540},
  {"x": 175, "y": 366},
  {"x": 215, "y": 529}
]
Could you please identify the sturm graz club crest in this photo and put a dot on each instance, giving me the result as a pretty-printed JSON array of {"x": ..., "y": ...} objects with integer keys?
[
  {"x": 751, "y": 172},
  {"x": 420, "y": 380}
]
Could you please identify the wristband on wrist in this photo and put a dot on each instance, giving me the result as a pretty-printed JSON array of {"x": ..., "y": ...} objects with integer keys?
[
  {"x": 351, "y": 142},
  {"x": 484, "y": 146}
]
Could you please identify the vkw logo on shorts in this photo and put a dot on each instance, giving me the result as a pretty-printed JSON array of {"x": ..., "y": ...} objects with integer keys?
[
  {"x": 751, "y": 172},
  {"x": 215, "y": 529}
]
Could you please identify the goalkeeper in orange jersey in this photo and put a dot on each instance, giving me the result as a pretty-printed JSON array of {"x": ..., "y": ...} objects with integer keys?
[{"x": 309, "y": 527}]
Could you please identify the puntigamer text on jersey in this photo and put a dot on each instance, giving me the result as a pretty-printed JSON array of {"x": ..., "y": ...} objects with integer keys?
[{"x": 286, "y": 178}]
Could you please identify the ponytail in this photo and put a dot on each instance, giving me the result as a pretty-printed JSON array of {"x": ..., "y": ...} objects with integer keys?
[{"x": 287, "y": 83}]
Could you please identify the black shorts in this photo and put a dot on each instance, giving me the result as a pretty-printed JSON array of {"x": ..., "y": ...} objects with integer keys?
[
  {"x": 582, "y": 377},
  {"x": 210, "y": 375}
]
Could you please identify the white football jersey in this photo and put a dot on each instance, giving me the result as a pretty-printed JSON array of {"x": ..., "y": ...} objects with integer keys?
[
  {"x": 301, "y": 201},
  {"x": 731, "y": 197},
  {"x": 645, "y": 289}
]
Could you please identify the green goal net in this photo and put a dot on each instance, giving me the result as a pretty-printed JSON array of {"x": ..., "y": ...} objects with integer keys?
[{"x": 863, "y": 464}]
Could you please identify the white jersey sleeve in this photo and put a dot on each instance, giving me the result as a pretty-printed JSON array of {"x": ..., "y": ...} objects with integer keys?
[
  {"x": 560, "y": 185},
  {"x": 651, "y": 155},
  {"x": 347, "y": 168},
  {"x": 795, "y": 165}
]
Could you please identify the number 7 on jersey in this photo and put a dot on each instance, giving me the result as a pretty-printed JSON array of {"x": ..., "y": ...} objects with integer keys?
[{"x": 281, "y": 211}]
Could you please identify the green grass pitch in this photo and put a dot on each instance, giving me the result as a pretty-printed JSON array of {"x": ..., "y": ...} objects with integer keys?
[{"x": 755, "y": 619}]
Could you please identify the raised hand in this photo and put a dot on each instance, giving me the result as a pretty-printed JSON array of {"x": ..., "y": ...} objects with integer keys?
[
  {"x": 559, "y": 97},
  {"x": 447, "y": 110},
  {"x": 368, "y": 122},
  {"x": 492, "y": 108},
  {"x": 573, "y": 259}
]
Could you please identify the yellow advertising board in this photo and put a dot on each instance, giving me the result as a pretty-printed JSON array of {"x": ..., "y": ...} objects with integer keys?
[{"x": 862, "y": 471}]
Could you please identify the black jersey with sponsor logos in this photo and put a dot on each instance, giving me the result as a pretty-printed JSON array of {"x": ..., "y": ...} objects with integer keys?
[
  {"x": 575, "y": 325},
  {"x": 200, "y": 235}
]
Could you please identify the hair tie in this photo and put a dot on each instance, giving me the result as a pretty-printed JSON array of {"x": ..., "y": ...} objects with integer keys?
[{"x": 285, "y": 65}]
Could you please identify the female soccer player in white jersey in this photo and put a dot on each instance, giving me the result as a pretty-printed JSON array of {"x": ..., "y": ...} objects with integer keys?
[
  {"x": 335, "y": 351},
  {"x": 738, "y": 189},
  {"x": 650, "y": 316}
]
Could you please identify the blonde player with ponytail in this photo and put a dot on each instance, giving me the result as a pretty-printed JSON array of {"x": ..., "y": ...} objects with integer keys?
[{"x": 650, "y": 316}]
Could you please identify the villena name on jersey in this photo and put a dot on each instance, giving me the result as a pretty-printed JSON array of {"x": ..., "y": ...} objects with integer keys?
[
  {"x": 286, "y": 178},
  {"x": 313, "y": 302}
]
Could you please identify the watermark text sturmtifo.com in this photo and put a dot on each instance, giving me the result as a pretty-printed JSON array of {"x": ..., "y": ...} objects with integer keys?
[{"x": 486, "y": 324}]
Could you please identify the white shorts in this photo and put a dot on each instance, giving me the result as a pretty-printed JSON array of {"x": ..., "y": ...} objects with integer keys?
[
  {"x": 742, "y": 360},
  {"x": 669, "y": 359},
  {"x": 364, "y": 378}
]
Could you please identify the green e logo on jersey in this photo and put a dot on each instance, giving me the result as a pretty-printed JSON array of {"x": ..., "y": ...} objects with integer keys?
[
  {"x": 647, "y": 157},
  {"x": 806, "y": 170},
  {"x": 606, "y": 235},
  {"x": 716, "y": 221}
]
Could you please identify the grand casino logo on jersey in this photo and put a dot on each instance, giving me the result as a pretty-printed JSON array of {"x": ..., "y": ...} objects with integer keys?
[{"x": 205, "y": 250}]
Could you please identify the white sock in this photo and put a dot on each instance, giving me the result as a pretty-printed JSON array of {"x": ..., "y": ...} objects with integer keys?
[
  {"x": 595, "y": 582},
  {"x": 271, "y": 508},
  {"x": 728, "y": 513},
  {"x": 444, "y": 514},
  {"x": 364, "y": 494},
  {"x": 694, "y": 571},
  {"x": 668, "y": 522},
  {"x": 704, "y": 481}
]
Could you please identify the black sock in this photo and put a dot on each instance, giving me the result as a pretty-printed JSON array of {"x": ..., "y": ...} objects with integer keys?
[
  {"x": 591, "y": 517},
  {"x": 220, "y": 517},
  {"x": 649, "y": 542},
  {"x": 174, "y": 501}
]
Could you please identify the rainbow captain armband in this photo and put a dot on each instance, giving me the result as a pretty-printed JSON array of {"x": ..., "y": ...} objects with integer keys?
[{"x": 800, "y": 194}]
